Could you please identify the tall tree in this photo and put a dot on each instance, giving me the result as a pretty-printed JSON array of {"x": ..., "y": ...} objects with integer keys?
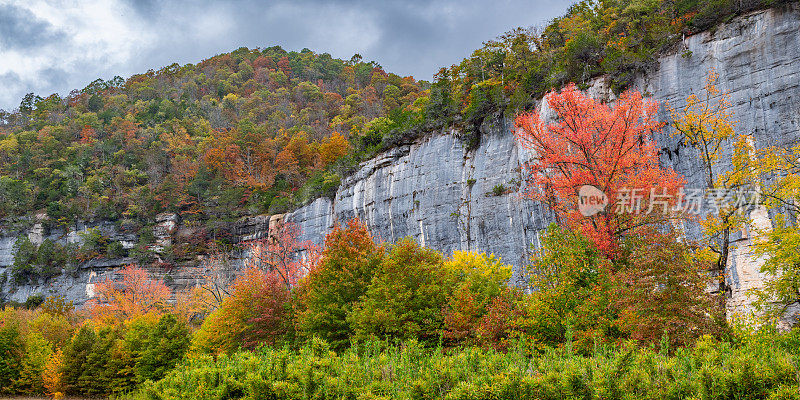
[
  {"x": 337, "y": 282},
  {"x": 706, "y": 124},
  {"x": 612, "y": 149}
]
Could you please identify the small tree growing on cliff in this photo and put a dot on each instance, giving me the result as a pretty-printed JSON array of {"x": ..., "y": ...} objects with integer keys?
[
  {"x": 283, "y": 254},
  {"x": 706, "y": 124},
  {"x": 591, "y": 143}
]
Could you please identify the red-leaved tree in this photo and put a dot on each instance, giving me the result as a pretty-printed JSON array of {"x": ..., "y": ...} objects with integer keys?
[
  {"x": 612, "y": 149},
  {"x": 256, "y": 312}
]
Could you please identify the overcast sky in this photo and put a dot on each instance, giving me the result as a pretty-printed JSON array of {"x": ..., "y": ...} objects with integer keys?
[{"x": 55, "y": 46}]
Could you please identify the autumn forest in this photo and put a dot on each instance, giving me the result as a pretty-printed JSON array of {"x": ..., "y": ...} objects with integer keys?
[{"x": 610, "y": 305}]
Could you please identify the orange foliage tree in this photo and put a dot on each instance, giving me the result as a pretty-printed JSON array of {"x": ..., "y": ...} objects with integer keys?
[
  {"x": 135, "y": 293},
  {"x": 52, "y": 374},
  {"x": 333, "y": 148},
  {"x": 612, "y": 149}
]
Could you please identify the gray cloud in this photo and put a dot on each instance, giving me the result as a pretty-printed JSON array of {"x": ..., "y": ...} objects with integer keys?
[
  {"x": 20, "y": 29},
  {"x": 412, "y": 37}
]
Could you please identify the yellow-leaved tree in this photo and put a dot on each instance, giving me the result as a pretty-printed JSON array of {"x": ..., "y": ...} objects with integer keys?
[
  {"x": 706, "y": 124},
  {"x": 51, "y": 375},
  {"x": 778, "y": 173}
]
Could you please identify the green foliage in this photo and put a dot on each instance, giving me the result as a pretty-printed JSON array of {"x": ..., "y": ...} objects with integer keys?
[
  {"x": 115, "y": 250},
  {"x": 15, "y": 195},
  {"x": 323, "y": 184},
  {"x": 37, "y": 351},
  {"x": 618, "y": 40},
  {"x": 97, "y": 364},
  {"x": 779, "y": 247},
  {"x": 570, "y": 284},
  {"x": 654, "y": 291},
  {"x": 93, "y": 244},
  {"x": 33, "y": 301},
  {"x": 115, "y": 359},
  {"x": 406, "y": 296},
  {"x": 757, "y": 367},
  {"x": 33, "y": 262},
  {"x": 75, "y": 358},
  {"x": 51, "y": 257},
  {"x": 24, "y": 267},
  {"x": 336, "y": 284},
  {"x": 165, "y": 347},
  {"x": 11, "y": 355},
  {"x": 499, "y": 189}
]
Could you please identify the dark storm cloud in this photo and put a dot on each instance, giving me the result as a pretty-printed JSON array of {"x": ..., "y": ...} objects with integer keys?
[
  {"x": 20, "y": 29},
  {"x": 412, "y": 37}
]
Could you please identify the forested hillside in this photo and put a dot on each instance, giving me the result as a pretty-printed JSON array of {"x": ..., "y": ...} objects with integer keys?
[{"x": 252, "y": 131}]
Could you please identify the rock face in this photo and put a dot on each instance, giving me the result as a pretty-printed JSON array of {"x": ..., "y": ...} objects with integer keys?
[
  {"x": 452, "y": 198},
  {"x": 444, "y": 195},
  {"x": 441, "y": 194},
  {"x": 76, "y": 284}
]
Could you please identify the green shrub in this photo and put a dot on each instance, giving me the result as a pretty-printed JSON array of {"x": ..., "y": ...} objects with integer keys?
[
  {"x": 93, "y": 244},
  {"x": 33, "y": 301},
  {"x": 116, "y": 250},
  {"x": 755, "y": 368},
  {"x": 499, "y": 189},
  {"x": 24, "y": 267}
]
